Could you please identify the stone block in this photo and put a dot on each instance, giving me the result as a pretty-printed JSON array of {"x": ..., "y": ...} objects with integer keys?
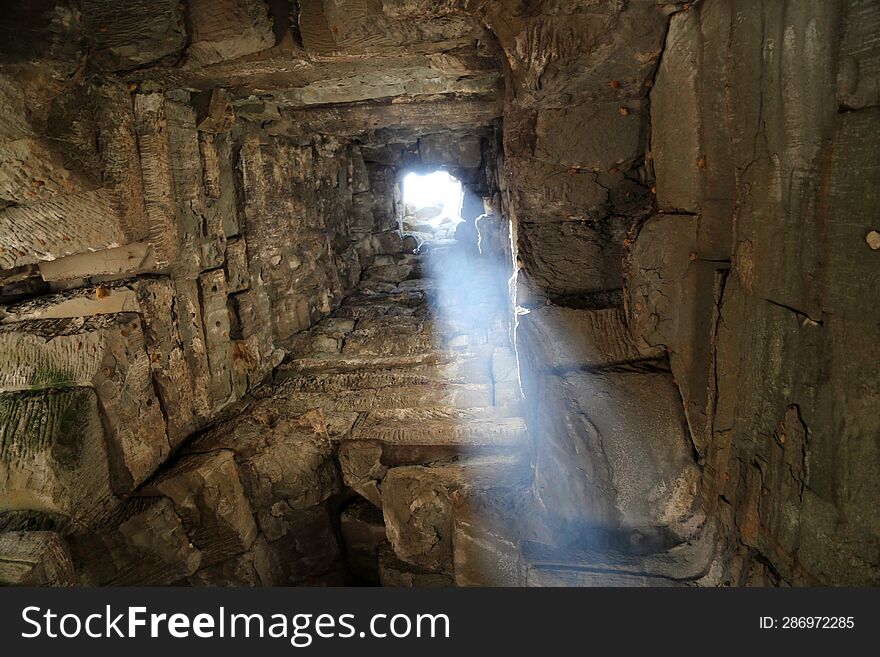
[
  {"x": 131, "y": 35},
  {"x": 107, "y": 353},
  {"x": 35, "y": 558},
  {"x": 210, "y": 500},
  {"x": 554, "y": 338},
  {"x": 144, "y": 543},
  {"x": 53, "y": 456}
]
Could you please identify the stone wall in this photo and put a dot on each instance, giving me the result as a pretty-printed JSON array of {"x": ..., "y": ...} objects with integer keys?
[
  {"x": 156, "y": 256},
  {"x": 758, "y": 274},
  {"x": 682, "y": 196}
]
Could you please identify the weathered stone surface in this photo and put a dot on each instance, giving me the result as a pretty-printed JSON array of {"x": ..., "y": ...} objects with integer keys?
[
  {"x": 646, "y": 483},
  {"x": 236, "y": 266},
  {"x": 139, "y": 33},
  {"x": 484, "y": 550},
  {"x": 106, "y": 353},
  {"x": 570, "y": 136},
  {"x": 53, "y": 456},
  {"x": 669, "y": 297},
  {"x": 418, "y": 515},
  {"x": 571, "y": 259},
  {"x": 175, "y": 344},
  {"x": 151, "y": 127},
  {"x": 419, "y": 505},
  {"x": 362, "y": 468},
  {"x": 450, "y": 149},
  {"x": 395, "y": 573},
  {"x": 209, "y": 498},
  {"x": 554, "y": 192},
  {"x": 858, "y": 84},
  {"x": 221, "y": 181},
  {"x": 228, "y": 29},
  {"x": 215, "y": 318},
  {"x": 332, "y": 29},
  {"x": 35, "y": 559},
  {"x": 360, "y": 118},
  {"x": 214, "y": 111},
  {"x": 143, "y": 544},
  {"x": 251, "y": 568},
  {"x": 284, "y": 462},
  {"x": 567, "y": 339}
]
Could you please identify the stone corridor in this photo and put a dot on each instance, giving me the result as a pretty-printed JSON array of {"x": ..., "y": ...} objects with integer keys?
[{"x": 232, "y": 352}]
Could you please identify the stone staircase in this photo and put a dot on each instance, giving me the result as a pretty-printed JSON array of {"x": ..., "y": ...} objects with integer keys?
[{"x": 418, "y": 383}]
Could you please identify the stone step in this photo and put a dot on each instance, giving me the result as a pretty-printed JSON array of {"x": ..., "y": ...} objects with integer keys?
[
  {"x": 421, "y": 504},
  {"x": 475, "y": 370},
  {"x": 346, "y": 363},
  {"x": 392, "y": 272},
  {"x": 376, "y": 444},
  {"x": 453, "y": 395},
  {"x": 456, "y": 429},
  {"x": 682, "y": 565}
]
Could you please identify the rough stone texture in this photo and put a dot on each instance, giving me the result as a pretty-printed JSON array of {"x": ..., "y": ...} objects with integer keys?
[
  {"x": 143, "y": 544},
  {"x": 570, "y": 339},
  {"x": 35, "y": 559},
  {"x": 53, "y": 457},
  {"x": 793, "y": 331},
  {"x": 106, "y": 353},
  {"x": 138, "y": 33},
  {"x": 209, "y": 498},
  {"x": 676, "y": 387},
  {"x": 228, "y": 29},
  {"x": 568, "y": 260},
  {"x": 669, "y": 297}
]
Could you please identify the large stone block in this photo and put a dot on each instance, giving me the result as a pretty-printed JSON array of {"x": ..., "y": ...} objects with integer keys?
[
  {"x": 151, "y": 127},
  {"x": 670, "y": 298},
  {"x": 418, "y": 516},
  {"x": 53, "y": 456},
  {"x": 210, "y": 500},
  {"x": 107, "y": 353},
  {"x": 143, "y": 544},
  {"x": 484, "y": 548},
  {"x": 421, "y": 504},
  {"x": 37, "y": 558},
  {"x": 596, "y": 136},
  {"x": 675, "y": 117},
  {"x": 451, "y": 149},
  {"x": 570, "y": 259},
  {"x": 228, "y": 29},
  {"x": 175, "y": 343},
  {"x": 286, "y": 464},
  {"x": 545, "y": 191},
  {"x": 134, "y": 34},
  {"x": 618, "y": 457},
  {"x": 563, "y": 339}
]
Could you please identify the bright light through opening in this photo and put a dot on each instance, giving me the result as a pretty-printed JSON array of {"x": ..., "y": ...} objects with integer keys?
[{"x": 434, "y": 190}]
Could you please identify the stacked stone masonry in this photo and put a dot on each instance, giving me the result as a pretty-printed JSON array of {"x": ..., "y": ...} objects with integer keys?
[{"x": 653, "y": 361}]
